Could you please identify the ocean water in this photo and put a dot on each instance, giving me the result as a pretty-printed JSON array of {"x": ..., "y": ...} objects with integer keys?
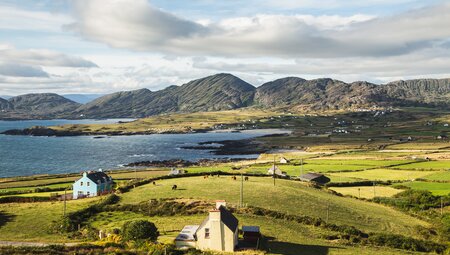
[{"x": 27, "y": 155}]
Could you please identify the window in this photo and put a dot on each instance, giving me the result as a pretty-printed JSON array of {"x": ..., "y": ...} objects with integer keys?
[
  {"x": 80, "y": 193},
  {"x": 81, "y": 183},
  {"x": 206, "y": 233},
  {"x": 88, "y": 193},
  {"x": 88, "y": 183}
]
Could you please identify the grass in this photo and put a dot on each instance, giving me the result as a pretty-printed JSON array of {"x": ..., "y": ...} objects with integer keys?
[
  {"x": 31, "y": 221},
  {"x": 175, "y": 122},
  {"x": 284, "y": 237},
  {"x": 367, "y": 191},
  {"x": 291, "y": 197},
  {"x": 439, "y": 176},
  {"x": 428, "y": 165},
  {"x": 434, "y": 187},
  {"x": 383, "y": 175}
]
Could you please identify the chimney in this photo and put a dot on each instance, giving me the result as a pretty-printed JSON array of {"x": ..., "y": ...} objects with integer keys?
[
  {"x": 214, "y": 215},
  {"x": 84, "y": 174},
  {"x": 220, "y": 203}
]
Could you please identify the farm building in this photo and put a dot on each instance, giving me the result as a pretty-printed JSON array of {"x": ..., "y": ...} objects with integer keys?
[
  {"x": 284, "y": 160},
  {"x": 251, "y": 233},
  {"x": 218, "y": 232},
  {"x": 274, "y": 170},
  {"x": 315, "y": 177},
  {"x": 92, "y": 184},
  {"x": 175, "y": 171}
]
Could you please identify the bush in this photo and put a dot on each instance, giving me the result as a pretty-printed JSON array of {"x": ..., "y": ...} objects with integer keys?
[
  {"x": 405, "y": 243},
  {"x": 139, "y": 230}
]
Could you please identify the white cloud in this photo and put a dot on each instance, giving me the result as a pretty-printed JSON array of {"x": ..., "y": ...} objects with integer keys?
[
  {"x": 21, "y": 70},
  {"x": 142, "y": 27},
  {"x": 42, "y": 57}
]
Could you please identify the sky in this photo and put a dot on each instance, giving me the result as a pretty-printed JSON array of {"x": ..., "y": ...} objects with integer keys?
[{"x": 103, "y": 46}]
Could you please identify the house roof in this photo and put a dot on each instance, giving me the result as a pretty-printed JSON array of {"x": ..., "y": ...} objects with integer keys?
[
  {"x": 228, "y": 218},
  {"x": 250, "y": 229},
  {"x": 311, "y": 176},
  {"x": 98, "y": 176}
]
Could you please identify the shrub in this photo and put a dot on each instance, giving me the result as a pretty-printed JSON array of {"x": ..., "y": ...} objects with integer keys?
[{"x": 139, "y": 230}]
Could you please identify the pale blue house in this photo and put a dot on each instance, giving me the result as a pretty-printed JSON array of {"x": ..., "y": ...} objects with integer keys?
[{"x": 92, "y": 184}]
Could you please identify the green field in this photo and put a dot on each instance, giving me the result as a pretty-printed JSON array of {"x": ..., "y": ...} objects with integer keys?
[
  {"x": 429, "y": 165},
  {"x": 435, "y": 187},
  {"x": 292, "y": 197},
  {"x": 439, "y": 176},
  {"x": 383, "y": 175},
  {"x": 31, "y": 221},
  {"x": 367, "y": 191},
  {"x": 289, "y": 237}
]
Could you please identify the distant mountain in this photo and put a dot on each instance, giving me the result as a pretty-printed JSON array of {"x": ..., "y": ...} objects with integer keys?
[
  {"x": 434, "y": 92},
  {"x": 316, "y": 94},
  {"x": 212, "y": 93},
  {"x": 5, "y": 105},
  {"x": 82, "y": 98},
  {"x": 43, "y": 105},
  {"x": 225, "y": 91}
]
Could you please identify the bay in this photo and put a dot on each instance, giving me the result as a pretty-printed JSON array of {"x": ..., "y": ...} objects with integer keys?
[{"x": 29, "y": 155}]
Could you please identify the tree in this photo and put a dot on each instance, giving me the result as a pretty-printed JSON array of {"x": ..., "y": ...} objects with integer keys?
[{"x": 139, "y": 230}]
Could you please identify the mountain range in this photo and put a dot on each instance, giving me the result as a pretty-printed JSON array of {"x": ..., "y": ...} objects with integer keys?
[{"x": 225, "y": 91}]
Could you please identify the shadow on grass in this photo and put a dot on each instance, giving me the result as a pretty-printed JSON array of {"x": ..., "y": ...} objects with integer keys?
[
  {"x": 286, "y": 248},
  {"x": 5, "y": 218}
]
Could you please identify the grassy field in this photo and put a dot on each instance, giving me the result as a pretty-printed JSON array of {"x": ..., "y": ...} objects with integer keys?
[
  {"x": 31, "y": 221},
  {"x": 177, "y": 122},
  {"x": 367, "y": 191},
  {"x": 284, "y": 237},
  {"x": 439, "y": 176},
  {"x": 292, "y": 197},
  {"x": 384, "y": 175},
  {"x": 435, "y": 187},
  {"x": 429, "y": 165}
]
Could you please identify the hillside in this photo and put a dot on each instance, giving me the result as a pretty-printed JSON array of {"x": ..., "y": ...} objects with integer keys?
[
  {"x": 316, "y": 94},
  {"x": 39, "y": 105},
  {"x": 212, "y": 93},
  {"x": 226, "y": 92},
  {"x": 422, "y": 91},
  {"x": 5, "y": 105}
]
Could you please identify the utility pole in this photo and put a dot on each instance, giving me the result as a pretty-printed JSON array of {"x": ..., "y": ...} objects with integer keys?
[
  {"x": 65, "y": 205},
  {"x": 241, "y": 202},
  {"x": 274, "y": 167},
  {"x": 328, "y": 210},
  {"x": 359, "y": 192},
  {"x": 301, "y": 167},
  {"x": 374, "y": 189},
  {"x": 442, "y": 206}
]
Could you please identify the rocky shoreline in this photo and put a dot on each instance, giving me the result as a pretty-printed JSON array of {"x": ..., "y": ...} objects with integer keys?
[
  {"x": 236, "y": 147},
  {"x": 182, "y": 163},
  {"x": 45, "y": 131}
]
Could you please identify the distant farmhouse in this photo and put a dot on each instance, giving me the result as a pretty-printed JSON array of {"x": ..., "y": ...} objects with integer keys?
[
  {"x": 284, "y": 160},
  {"x": 218, "y": 232},
  {"x": 274, "y": 170},
  {"x": 315, "y": 178},
  {"x": 175, "y": 171},
  {"x": 92, "y": 184}
]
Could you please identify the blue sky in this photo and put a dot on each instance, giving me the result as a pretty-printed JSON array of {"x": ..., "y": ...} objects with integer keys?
[{"x": 102, "y": 46}]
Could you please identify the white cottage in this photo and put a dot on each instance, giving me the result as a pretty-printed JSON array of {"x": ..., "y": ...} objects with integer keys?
[
  {"x": 218, "y": 232},
  {"x": 274, "y": 170}
]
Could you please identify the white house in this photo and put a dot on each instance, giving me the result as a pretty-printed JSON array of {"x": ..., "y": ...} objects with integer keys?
[
  {"x": 92, "y": 184},
  {"x": 218, "y": 232},
  {"x": 175, "y": 171},
  {"x": 284, "y": 160},
  {"x": 274, "y": 170}
]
